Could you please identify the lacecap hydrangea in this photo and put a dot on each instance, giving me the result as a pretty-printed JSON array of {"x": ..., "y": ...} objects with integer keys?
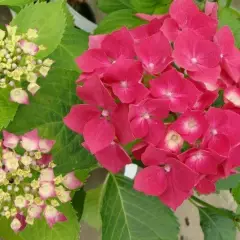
[{"x": 29, "y": 188}]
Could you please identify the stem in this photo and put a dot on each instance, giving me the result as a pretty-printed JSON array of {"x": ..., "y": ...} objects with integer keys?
[{"x": 228, "y": 4}]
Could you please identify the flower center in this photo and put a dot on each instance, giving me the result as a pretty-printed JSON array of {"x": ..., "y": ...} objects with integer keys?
[
  {"x": 194, "y": 60},
  {"x": 146, "y": 116},
  {"x": 105, "y": 113},
  {"x": 167, "y": 168},
  {"x": 124, "y": 84}
]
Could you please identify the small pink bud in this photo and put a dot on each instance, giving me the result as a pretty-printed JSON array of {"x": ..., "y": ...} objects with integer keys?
[
  {"x": 19, "y": 96},
  {"x": 16, "y": 225},
  {"x": 53, "y": 216},
  {"x": 34, "y": 211},
  {"x": 71, "y": 182},
  {"x": 10, "y": 140},
  {"x": 45, "y": 145},
  {"x": 28, "y": 47}
]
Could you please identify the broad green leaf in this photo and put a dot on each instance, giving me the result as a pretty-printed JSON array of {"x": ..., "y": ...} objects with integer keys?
[
  {"x": 236, "y": 194},
  {"x": 118, "y": 19},
  {"x": 230, "y": 17},
  {"x": 216, "y": 227},
  {"x": 6, "y": 233},
  {"x": 148, "y": 6},
  {"x": 130, "y": 215},
  {"x": 52, "y": 103},
  {"x": 230, "y": 182},
  {"x": 48, "y": 18},
  {"x": 109, "y": 6},
  {"x": 7, "y": 109},
  {"x": 68, "y": 230},
  {"x": 71, "y": 46},
  {"x": 91, "y": 212},
  {"x": 15, "y": 2}
]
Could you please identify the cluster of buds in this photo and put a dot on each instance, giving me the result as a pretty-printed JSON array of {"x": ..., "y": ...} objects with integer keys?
[
  {"x": 18, "y": 63},
  {"x": 28, "y": 187},
  {"x": 153, "y": 90}
]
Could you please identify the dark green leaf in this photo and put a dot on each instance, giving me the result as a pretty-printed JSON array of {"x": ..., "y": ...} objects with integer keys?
[
  {"x": 216, "y": 227},
  {"x": 78, "y": 202},
  {"x": 68, "y": 230},
  {"x": 130, "y": 215},
  {"x": 109, "y": 6},
  {"x": 50, "y": 21},
  {"x": 236, "y": 194},
  {"x": 117, "y": 20}
]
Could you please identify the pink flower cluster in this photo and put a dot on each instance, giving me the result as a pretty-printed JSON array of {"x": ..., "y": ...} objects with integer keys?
[
  {"x": 153, "y": 88},
  {"x": 29, "y": 188}
]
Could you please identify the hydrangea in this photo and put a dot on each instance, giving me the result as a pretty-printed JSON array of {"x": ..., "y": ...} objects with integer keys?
[
  {"x": 150, "y": 94},
  {"x": 19, "y": 63},
  {"x": 29, "y": 188}
]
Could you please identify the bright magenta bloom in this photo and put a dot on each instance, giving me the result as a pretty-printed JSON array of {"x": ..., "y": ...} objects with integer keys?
[{"x": 151, "y": 93}]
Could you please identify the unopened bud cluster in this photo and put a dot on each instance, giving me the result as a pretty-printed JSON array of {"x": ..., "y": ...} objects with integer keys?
[
  {"x": 18, "y": 63},
  {"x": 28, "y": 187}
]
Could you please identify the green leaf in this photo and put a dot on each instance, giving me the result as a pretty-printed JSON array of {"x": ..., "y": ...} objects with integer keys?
[
  {"x": 15, "y": 2},
  {"x": 109, "y": 6},
  {"x": 148, "y": 6},
  {"x": 236, "y": 194},
  {"x": 68, "y": 230},
  {"x": 230, "y": 17},
  {"x": 7, "y": 109},
  {"x": 52, "y": 103},
  {"x": 6, "y": 232},
  {"x": 130, "y": 215},
  {"x": 48, "y": 18},
  {"x": 230, "y": 182},
  {"x": 216, "y": 227},
  {"x": 118, "y": 19},
  {"x": 78, "y": 202},
  {"x": 91, "y": 213}
]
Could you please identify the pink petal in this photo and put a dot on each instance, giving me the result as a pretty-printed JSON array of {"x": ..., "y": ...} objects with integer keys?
[
  {"x": 205, "y": 100},
  {"x": 28, "y": 47},
  {"x": 151, "y": 181},
  {"x": 45, "y": 160},
  {"x": 138, "y": 150},
  {"x": 47, "y": 175},
  {"x": 149, "y": 18},
  {"x": 19, "y": 96},
  {"x": 139, "y": 127},
  {"x": 119, "y": 43},
  {"x": 154, "y": 156},
  {"x": 53, "y": 216},
  {"x": 100, "y": 96},
  {"x": 113, "y": 158},
  {"x": 211, "y": 9},
  {"x": 192, "y": 53},
  {"x": 191, "y": 125},
  {"x": 182, "y": 10},
  {"x": 234, "y": 160},
  {"x": 98, "y": 134},
  {"x": 10, "y": 140},
  {"x": 95, "y": 41},
  {"x": 47, "y": 190},
  {"x": 30, "y": 141},
  {"x": 122, "y": 124},
  {"x": 79, "y": 116},
  {"x": 93, "y": 59},
  {"x": 170, "y": 29},
  {"x": 34, "y": 211},
  {"x": 71, "y": 182},
  {"x": 232, "y": 95},
  {"x": 220, "y": 144},
  {"x": 46, "y": 145},
  {"x": 155, "y": 57},
  {"x": 205, "y": 186}
]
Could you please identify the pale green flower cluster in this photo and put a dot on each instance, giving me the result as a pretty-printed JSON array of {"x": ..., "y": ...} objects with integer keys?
[{"x": 19, "y": 63}]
